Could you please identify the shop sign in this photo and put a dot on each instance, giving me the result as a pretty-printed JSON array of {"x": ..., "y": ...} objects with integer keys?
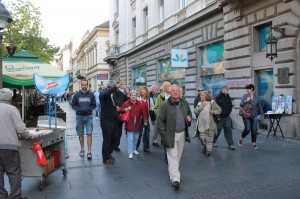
[{"x": 102, "y": 76}]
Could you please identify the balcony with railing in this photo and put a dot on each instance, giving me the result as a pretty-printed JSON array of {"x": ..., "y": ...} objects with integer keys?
[{"x": 112, "y": 54}]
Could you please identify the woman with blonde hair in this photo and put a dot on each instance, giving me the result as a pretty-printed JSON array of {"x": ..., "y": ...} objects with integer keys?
[
  {"x": 127, "y": 92},
  {"x": 147, "y": 103},
  {"x": 206, "y": 125}
]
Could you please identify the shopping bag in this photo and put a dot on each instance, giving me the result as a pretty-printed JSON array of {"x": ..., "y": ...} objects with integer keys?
[
  {"x": 125, "y": 116},
  {"x": 37, "y": 148}
]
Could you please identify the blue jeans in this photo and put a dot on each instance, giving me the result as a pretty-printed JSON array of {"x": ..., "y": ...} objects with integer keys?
[
  {"x": 98, "y": 111},
  {"x": 132, "y": 138},
  {"x": 82, "y": 121},
  {"x": 145, "y": 133},
  {"x": 250, "y": 125}
]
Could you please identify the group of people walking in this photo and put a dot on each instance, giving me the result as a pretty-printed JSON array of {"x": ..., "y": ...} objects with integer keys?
[
  {"x": 170, "y": 114},
  {"x": 170, "y": 117}
]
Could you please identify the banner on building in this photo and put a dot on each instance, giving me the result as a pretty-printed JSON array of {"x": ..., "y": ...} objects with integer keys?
[
  {"x": 179, "y": 58},
  {"x": 102, "y": 76}
]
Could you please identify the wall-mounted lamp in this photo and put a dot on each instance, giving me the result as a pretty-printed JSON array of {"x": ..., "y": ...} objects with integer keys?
[{"x": 271, "y": 43}]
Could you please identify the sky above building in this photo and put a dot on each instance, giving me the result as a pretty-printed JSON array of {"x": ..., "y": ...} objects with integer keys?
[{"x": 68, "y": 20}]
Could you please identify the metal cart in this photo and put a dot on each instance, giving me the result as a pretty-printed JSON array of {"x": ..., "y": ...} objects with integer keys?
[{"x": 53, "y": 140}]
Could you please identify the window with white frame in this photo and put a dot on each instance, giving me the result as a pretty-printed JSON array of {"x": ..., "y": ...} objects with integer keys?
[
  {"x": 182, "y": 4},
  {"x": 133, "y": 28},
  {"x": 161, "y": 10},
  {"x": 145, "y": 16}
]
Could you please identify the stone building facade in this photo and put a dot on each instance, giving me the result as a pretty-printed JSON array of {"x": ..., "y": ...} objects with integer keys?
[
  {"x": 225, "y": 41},
  {"x": 87, "y": 60}
]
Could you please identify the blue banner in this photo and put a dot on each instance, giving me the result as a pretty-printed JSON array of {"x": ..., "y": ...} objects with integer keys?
[{"x": 53, "y": 86}]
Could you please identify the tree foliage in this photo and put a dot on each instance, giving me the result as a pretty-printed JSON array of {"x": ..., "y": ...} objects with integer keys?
[{"x": 25, "y": 32}]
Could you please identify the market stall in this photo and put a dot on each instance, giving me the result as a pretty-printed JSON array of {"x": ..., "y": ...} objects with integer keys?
[
  {"x": 47, "y": 153},
  {"x": 18, "y": 71}
]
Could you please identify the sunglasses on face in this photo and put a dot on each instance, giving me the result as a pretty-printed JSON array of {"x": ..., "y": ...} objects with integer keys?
[{"x": 200, "y": 90}]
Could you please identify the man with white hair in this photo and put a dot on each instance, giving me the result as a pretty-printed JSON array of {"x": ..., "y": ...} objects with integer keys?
[
  {"x": 154, "y": 92},
  {"x": 11, "y": 128},
  {"x": 173, "y": 119}
]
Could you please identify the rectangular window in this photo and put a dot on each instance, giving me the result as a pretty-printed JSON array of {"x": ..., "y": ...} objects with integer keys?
[
  {"x": 145, "y": 13},
  {"x": 266, "y": 88},
  {"x": 212, "y": 57},
  {"x": 182, "y": 4},
  {"x": 133, "y": 28},
  {"x": 169, "y": 73},
  {"x": 161, "y": 11},
  {"x": 140, "y": 75},
  {"x": 264, "y": 33},
  {"x": 212, "y": 69},
  {"x": 117, "y": 6}
]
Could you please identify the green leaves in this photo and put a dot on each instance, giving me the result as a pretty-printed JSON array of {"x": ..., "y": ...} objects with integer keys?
[{"x": 25, "y": 32}]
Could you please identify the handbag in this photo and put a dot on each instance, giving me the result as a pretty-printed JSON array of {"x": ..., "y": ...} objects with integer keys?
[
  {"x": 246, "y": 110},
  {"x": 125, "y": 116},
  {"x": 152, "y": 115},
  {"x": 215, "y": 116}
]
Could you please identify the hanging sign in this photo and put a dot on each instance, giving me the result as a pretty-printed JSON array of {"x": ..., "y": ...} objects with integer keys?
[{"x": 179, "y": 58}]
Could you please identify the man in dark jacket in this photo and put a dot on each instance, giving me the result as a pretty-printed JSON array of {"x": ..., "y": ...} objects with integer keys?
[
  {"x": 224, "y": 101},
  {"x": 119, "y": 98},
  {"x": 83, "y": 103},
  {"x": 174, "y": 116},
  {"x": 109, "y": 118}
]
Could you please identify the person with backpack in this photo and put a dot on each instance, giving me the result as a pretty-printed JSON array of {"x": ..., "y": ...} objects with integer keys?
[
  {"x": 250, "y": 105},
  {"x": 159, "y": 100}
]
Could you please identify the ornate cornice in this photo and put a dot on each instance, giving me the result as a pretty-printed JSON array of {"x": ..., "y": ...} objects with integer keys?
[{"x": 234, "y": 5}]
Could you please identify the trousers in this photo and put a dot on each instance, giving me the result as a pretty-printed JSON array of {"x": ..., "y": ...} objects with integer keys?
[{"x": 11, "y": 165}]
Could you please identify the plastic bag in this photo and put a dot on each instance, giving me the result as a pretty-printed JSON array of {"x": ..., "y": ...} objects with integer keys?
[{"x": 40, "y": 153}]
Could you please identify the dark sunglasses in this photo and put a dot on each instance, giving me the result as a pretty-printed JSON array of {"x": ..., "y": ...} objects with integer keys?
[{"x": 200, "y": 90}]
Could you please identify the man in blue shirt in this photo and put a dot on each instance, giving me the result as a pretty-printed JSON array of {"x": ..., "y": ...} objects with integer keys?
[
  {"x": 83, "y": 103},
  {"x": 98, "y": 106}
]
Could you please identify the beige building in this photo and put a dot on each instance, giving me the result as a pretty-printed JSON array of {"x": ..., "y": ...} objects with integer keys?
[
  {"x": 87, "y": 60},
  {"x": 225, "y": 42}
]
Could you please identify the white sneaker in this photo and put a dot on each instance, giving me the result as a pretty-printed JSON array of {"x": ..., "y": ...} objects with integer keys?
[
  {"x": 136, "y": 152},
  {"x": 97, "y": 118},
  {"x": 130, "y": 155}
]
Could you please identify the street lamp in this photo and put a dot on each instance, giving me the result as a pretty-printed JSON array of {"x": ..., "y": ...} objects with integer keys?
[
  {"x": 4, "y": 19},
  {"x": 271, "y": 43}
]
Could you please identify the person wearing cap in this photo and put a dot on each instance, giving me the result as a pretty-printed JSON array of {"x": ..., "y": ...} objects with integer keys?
[
  {"x": 134, "y": 125},
  {"x": 11, "y": 128},
  {"x": 225, "y": 102},
  {"x": 109, "y": 118}
]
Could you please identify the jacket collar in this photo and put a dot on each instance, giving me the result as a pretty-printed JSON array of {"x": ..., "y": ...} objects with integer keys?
[{"x": 5, "y": 102}]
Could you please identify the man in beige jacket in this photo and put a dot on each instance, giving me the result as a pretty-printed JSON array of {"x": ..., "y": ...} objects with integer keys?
[{"x": 11, "y": 128}]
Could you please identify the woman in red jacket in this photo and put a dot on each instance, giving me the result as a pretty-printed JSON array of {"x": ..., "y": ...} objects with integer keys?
[{"x": 133, "y": 126}]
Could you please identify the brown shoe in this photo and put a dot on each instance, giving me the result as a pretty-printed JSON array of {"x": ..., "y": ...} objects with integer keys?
[
  {"x": 176, "y": 184},
  {"x": 108, "y": 162},
  {"x": 112, "y": 158}
]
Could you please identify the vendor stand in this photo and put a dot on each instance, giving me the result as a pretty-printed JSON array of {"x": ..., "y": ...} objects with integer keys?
[{"x": 50, "y": 133}]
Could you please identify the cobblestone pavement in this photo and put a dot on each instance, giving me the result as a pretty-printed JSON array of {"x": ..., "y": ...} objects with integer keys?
[{"x": 272, "y": 171}]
